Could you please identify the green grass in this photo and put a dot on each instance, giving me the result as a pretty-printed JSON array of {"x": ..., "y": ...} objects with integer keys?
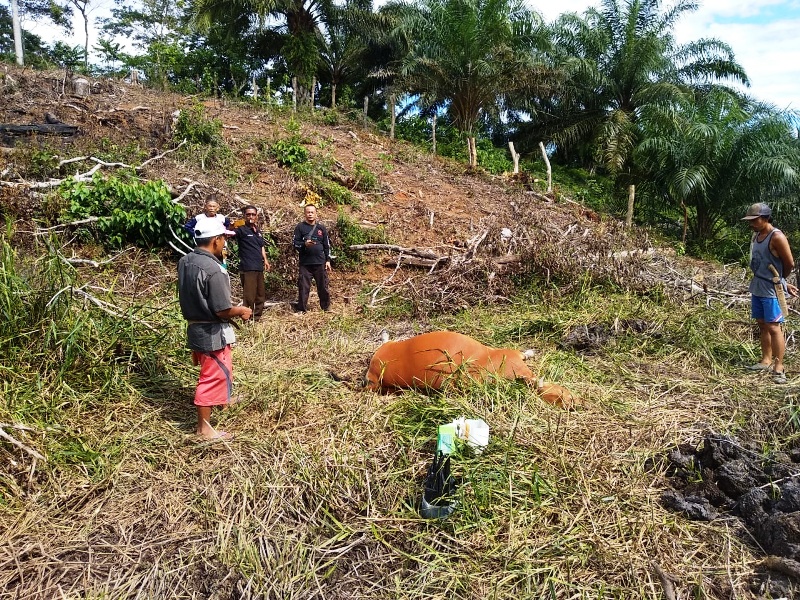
[{"x": 318, "y": 491}]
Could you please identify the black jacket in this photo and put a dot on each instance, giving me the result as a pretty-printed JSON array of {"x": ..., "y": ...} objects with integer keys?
[{"x": 319, "y": 253}]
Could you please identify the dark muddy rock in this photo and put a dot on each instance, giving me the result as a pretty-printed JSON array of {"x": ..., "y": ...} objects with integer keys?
[
  {"x": 725, "y": 475},
  {"x": 695, "y": 508},
  {"x": 736, "y": 477},
  {"x": 593, "y": 336},
  {"x": 587, "y": 337}
]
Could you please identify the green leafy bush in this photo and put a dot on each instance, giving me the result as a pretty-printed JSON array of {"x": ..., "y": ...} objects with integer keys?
[
  {"x": 127, "y": 213},
  {"x": 204, "y": 139},
  {"x": 365, "y": 180},
  {"x": 349, "y": 233},
  {"x": 290, "y": 152},
  {"x": 194, "y": 127},
  {"x": 334, "y": 192}
]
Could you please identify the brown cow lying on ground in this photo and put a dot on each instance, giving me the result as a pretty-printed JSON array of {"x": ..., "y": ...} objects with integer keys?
[{"x": 430, "y": 359}]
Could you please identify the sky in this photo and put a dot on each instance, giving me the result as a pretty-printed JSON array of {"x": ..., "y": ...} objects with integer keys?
[{"x": 764, "y": 35}]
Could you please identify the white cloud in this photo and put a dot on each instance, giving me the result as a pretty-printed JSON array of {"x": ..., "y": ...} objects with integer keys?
[{"x": 768, "y": 47}]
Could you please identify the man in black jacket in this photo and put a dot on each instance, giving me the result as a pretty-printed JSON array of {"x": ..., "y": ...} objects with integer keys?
[
  {"x": 312, "y": 242},
  {"x": 252, "y": 262}
]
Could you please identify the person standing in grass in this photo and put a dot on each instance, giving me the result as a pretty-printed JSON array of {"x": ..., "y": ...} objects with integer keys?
[
  {"x": 204, "y": 292},
  {"x": 252, "y": 262},
  {"x": 768, "y": 246},
  {"x": 312, "y": 242}
]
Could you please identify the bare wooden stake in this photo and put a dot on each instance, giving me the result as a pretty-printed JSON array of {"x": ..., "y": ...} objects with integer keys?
[
  {"x": 514, "y": 157},
  {"x": 629, "y": 214},
  {"x": 549, "y": 168}
]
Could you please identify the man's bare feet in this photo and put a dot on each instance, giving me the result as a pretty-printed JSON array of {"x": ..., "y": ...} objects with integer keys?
[{"x": 214, "y": 435}]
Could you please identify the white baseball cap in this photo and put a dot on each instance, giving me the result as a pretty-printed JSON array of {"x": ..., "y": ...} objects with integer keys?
[{"x": 209, "y": 228}]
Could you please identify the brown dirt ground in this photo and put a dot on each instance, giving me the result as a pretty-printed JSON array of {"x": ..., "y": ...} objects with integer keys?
[{"x": 414, "y": 187}]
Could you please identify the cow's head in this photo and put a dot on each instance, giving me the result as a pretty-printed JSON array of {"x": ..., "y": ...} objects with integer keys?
[{"x": 557, "y": 395}]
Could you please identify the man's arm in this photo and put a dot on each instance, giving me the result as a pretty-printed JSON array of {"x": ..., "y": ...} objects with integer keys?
[
  {"x": 297, "y": 241},
  {"x": 235, "y": 311},
  {"x": 326, "y": 247},
  {"x": 779, "y": 246},
  {"x": 264, "y": 256}
]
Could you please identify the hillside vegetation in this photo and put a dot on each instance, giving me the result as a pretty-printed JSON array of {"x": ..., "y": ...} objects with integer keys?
[{"x": 106, "y": 493}]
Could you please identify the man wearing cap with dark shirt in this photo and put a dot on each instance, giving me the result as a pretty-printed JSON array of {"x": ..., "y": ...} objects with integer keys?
[
  {"x": 768, "y": 246},
  {"x": 252, "y": 262},
  {"x": 312, "y": 242},
  {"x": 204, "y": 291}
]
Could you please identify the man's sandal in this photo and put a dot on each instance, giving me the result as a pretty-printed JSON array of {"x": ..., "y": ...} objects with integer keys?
[
  {"x": 779, "y": 377},
  {"x": 757, "y": 367}
]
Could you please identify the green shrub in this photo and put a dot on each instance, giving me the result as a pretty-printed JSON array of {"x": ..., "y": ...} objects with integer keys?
[
  {"x": 204, "y": 139},
  {"x": 136, "y": 213},
  {"x": 349, "y": 233},
  {"x": 334, "y": 192},
  {"x": 194, "y": 127},
  {"x": 365, "y": 180},
  {"x": 290, "y": 152}
]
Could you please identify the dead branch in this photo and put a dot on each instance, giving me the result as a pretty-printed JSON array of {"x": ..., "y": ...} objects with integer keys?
[
  {"x": 43, "y": 231},
  {"x": 787, "y": 566},
  {"x": 666, "y": 581},
  {"x": 12, "y": 440},
  {"x": 420, "y": 253},
  {"x": 104, "y": 306},
  {"x": 385, "y": 282},
  {"x": 87, "y": 176},
  {"x": 186, "y": 191}
]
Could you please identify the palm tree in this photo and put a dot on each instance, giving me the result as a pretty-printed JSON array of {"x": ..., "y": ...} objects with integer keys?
[
  {"x": 299, "y": 19},
  {"x": 618, "y": 59},
  {"x": 714, "y": 153},
  {"x": 348, "y": 39},
  {"x": 471, "y": 56}
]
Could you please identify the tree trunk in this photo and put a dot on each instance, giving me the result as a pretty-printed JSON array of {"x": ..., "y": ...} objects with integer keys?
[
  {"x": 366, "y": 107},
  {"x": 629, "y": 215},
  {"x": 392, "y": 106},
  {"x": 86, "y": 38},
  {"x": 549, "y": 168},
  {"x": 313, "y": 90},
  {"x": 294, "y": 94},
  {"x": 255, "y": 88},
  {"x": 685, "y": 221},
  {"x": 514, "y": 157},
  {"x": 473, "y": 158},
  {"x": 333, "y": 95},
  {"x": 17, "y": 32},
  {"x": 433, "y": 132}
]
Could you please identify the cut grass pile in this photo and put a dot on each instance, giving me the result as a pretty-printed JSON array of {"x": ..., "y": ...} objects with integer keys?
[{"x": 316, "y": 496}]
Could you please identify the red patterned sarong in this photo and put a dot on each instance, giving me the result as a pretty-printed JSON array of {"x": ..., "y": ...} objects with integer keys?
[{"x": 216, "y": 377}]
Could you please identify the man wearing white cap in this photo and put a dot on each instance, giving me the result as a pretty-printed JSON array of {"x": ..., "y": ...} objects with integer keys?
[
  {"x": 204, "y": 291},
  {"x": 768, "y": 247}
]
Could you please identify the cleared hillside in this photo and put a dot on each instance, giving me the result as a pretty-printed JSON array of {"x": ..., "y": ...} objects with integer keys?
[{"x": 315, "y": 497}]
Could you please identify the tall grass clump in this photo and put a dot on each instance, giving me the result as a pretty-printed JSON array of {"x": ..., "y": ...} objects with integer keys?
[{"x": 70, "y": 358}]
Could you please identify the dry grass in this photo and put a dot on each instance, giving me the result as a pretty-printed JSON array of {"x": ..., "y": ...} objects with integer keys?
[{"x": 316, "y": 495}]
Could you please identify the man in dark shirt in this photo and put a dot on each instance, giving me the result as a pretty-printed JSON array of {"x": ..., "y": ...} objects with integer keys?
[
  {"x": 204, "y": 291},
  {"x": 252, "y": 262},
  {"x": 312, "y": 242}
]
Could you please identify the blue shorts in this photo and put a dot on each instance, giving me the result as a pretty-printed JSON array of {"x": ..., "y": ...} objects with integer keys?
[{"x": 766, "y": 309}]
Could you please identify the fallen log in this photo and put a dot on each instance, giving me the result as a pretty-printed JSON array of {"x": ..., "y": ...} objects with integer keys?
[
  {"x": 392, "y": 248},
  {"x": 45, "y": 129},
  {"x": 413, "y": 261}
]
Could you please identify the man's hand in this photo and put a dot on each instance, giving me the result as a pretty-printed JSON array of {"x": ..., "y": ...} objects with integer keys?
[
  {"x": 328, "y": 265},
  {"x": 244, "y": 312},
  {"x": 793, "y": 291}
]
